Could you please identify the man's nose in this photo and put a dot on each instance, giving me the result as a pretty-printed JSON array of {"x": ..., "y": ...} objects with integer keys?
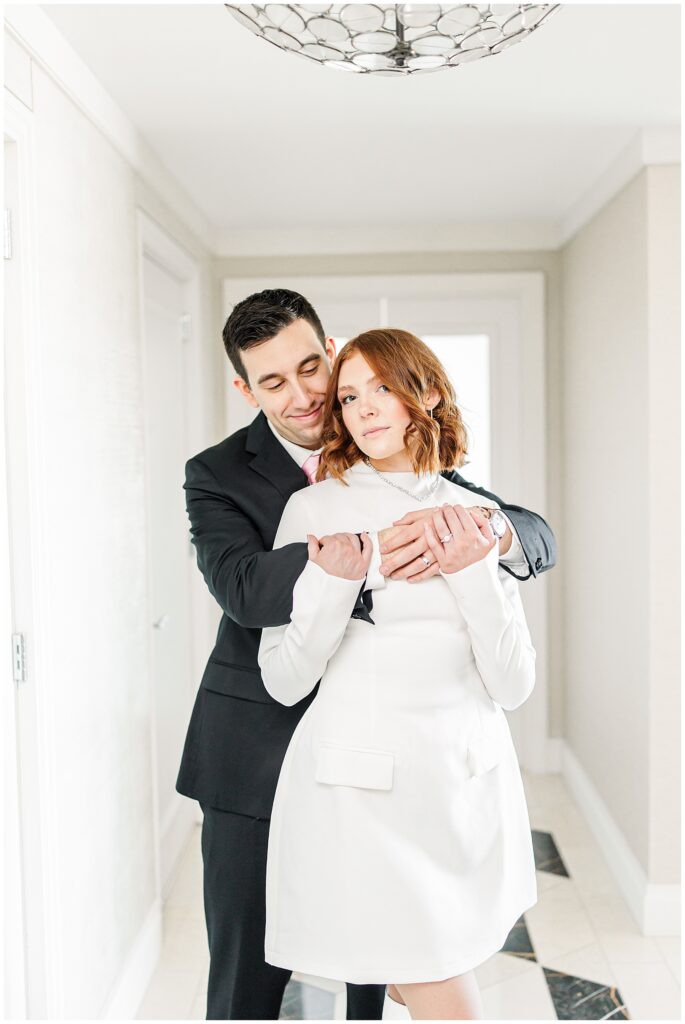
[{"x": 301, "y": 395}]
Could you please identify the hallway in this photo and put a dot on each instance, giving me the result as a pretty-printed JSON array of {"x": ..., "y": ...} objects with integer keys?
[
  {"x": 577, "y": 955},
  {"x": 522, "y": 215}
]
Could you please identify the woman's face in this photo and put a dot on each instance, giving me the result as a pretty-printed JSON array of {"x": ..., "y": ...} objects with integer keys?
[{"x": 375, "y": 418}]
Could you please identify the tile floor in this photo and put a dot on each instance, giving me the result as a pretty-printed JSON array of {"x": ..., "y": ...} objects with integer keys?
[{"x": 576, "y": 955}]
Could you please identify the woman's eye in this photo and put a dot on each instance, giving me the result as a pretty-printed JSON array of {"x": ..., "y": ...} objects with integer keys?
[
  {"x": 343, "y": 401},
  {"x": 383, "y": 386}
]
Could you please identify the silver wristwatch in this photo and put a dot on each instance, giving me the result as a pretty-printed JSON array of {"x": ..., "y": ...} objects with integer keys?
[{"x": 497, "y": 521}]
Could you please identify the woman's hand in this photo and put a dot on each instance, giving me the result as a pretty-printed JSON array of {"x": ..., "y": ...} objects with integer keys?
[
  {"x": 341, "y": 554},
  {"x": 458, "y": 537}
]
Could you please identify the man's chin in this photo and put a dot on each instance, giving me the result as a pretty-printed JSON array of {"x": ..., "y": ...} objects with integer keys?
[{"x": 306, "y": 437}]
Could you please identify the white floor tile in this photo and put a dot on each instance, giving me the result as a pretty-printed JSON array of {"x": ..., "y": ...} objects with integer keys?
[
  {"x": 649, "y": 990},
  {"x": 628, "y": 948},
  {"x": 198, "y": 1011},
  {"x": 670, "y": 947},
  {"x": 559, "y": 924},
  {"x": 169, "y": 996},
  {"x": 522, "y": 997},
  {"x": 588, "y": 962},
  {"x": 501, "y": 967}
]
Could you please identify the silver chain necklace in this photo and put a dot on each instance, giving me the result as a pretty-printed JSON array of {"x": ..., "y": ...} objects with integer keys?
[{"x": 429, "y": 493}]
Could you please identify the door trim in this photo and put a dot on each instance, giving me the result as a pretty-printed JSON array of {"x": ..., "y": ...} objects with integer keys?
[
  {"x": 156, "y": 245},
  {"x": 514, "y": 313}
]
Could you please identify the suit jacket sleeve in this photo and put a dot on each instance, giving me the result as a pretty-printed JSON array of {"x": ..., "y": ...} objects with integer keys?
[
  {"x": 293, "y": 657},
  {"x": 254, "y": 587},
  {"x": 490, "y": 602},
  {"x": 537, "y": 540}
]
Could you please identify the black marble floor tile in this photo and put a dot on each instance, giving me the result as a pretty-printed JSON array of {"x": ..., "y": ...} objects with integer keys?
[
  {"x": 304, "y": 1002},
  {"x": 547, "y": 856},
  {"x": 580, "y": 999},
  {"x": 518, "y": 941}
]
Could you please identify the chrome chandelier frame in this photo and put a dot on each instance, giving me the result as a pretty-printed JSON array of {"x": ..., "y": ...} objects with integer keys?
[{"x": 392, "y": 39}]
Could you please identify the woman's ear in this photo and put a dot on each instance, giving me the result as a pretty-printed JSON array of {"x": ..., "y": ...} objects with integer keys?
[{"x": 432, "y": 398}]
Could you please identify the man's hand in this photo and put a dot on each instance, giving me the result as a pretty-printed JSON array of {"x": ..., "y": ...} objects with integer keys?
[
  {"x": 403, "y": 544},
  {"x": 456, "y": 539},
  {"x": 341, "y": 554}
]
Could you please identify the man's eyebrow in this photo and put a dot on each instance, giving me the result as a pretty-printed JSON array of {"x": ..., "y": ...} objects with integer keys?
[
  {"x": 303, "y": 362},
  {"x": 348, "y": 387}
]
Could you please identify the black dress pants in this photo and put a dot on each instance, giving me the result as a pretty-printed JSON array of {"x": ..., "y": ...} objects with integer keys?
[{"x": 242, "y": 986}]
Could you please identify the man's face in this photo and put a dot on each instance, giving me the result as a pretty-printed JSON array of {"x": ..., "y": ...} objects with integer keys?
[{"x": 287, "y": 379}]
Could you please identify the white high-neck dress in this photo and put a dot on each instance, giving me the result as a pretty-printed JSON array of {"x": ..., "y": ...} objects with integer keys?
[{"x": 399, "y": 846}]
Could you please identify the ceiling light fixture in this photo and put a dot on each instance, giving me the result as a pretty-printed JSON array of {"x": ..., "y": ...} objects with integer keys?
[{"x": 392, "y": 39}]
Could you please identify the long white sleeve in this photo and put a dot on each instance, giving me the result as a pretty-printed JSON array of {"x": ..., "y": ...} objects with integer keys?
[
  {"x": 490, "y": 602},
  {"x": 293, "y": 658}
]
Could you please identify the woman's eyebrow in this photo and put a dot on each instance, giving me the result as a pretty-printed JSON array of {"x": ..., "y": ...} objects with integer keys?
[{"x": 348, "y": 387}]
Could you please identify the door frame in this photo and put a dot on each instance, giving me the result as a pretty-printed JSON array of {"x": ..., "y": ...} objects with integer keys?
[
  {"x": 155, "y": 244},
  {"x": 512, "y": 314},
  {"x": 34, "y": 822}
]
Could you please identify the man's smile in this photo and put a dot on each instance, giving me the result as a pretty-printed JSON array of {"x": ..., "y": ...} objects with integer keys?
[{"x": 307, "y": 417}]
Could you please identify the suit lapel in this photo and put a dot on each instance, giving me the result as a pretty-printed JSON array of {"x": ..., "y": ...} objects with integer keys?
[{"x": 271, "y": 460}]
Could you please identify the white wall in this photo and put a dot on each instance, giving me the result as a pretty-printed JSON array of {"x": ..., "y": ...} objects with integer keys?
[
  {"x": 95, "y": 694},
  {"x": 621, "y": 484}
]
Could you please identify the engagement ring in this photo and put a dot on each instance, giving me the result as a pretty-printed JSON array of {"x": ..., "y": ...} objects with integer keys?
[{"x": 448, "y": 536}]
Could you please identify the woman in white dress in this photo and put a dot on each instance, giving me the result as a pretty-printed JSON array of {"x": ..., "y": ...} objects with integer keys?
[{"x": 399, "y": 850}]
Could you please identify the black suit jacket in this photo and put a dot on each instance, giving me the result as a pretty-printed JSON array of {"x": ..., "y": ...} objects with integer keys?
[{"x": 235, "y": 495}]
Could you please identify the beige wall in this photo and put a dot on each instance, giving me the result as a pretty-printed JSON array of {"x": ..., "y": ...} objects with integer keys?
[
  {"x": 663, "y": 268},
  {"x": 620, "y": 460}
]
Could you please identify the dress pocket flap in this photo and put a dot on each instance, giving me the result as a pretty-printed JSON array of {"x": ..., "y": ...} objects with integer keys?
[
  {"x": 352, "y": 766},
  {"x": 486, "y": 749}
]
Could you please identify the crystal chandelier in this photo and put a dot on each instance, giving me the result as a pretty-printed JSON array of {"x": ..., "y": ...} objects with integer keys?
[{"x": 392, "y": 39}]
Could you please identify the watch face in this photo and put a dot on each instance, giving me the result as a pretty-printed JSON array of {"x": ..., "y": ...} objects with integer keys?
[{"x": 498, "y": 523}]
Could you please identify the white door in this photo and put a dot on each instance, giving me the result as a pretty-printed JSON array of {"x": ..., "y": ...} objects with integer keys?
[
  {"x": 488, "y": 329},
  {"x": 13, "y": 978},
  {"x": 165, "y": 322}
]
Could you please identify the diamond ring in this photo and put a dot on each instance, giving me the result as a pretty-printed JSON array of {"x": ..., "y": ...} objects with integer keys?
[{"x": 446, "y": 538}]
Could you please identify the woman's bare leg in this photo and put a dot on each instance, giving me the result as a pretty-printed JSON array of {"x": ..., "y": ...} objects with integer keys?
[
  {"x": 394, "y": 994},
  {"x": 452, "y": 999}
]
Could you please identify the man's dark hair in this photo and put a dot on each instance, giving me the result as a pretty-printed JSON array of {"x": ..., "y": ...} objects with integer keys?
[{"x": 260, "y": 317}]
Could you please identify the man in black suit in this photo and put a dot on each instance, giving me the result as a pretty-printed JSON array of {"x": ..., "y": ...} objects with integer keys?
[{"x": 238, "y": 735}]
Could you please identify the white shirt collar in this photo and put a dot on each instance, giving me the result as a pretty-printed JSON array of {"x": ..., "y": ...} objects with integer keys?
[{"x": 296, "y": 451}]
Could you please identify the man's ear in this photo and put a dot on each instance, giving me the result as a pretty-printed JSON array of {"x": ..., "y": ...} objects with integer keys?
[
  {"x": 330, "y": 350},
  {"x": 244, "y": 389}
]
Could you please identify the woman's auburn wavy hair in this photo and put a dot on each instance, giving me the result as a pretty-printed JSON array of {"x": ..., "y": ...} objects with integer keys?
[{"x": 407, "y": 366}]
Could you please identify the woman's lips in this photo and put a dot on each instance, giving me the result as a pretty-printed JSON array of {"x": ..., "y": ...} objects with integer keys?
[{"x": 376, "y": 430}]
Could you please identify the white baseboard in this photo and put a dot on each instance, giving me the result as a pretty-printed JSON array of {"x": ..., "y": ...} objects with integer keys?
[
  {"x": 554, "y": 753},
  {"x": 175, "y": 831},
  {"x": 656, "y": 908},
  {"x": 138, "y": 970}
]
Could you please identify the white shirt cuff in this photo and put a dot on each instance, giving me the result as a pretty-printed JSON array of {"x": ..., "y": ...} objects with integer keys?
[
  {"x": 374, "y": 578},
  {"x": 514, "y": 558}
]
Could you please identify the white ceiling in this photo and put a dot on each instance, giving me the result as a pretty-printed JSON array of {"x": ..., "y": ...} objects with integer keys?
[{"x": 266, "y": 143}]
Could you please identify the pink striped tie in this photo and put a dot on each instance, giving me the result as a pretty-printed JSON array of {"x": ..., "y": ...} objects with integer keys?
[{"x": 310, "y": 467}]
